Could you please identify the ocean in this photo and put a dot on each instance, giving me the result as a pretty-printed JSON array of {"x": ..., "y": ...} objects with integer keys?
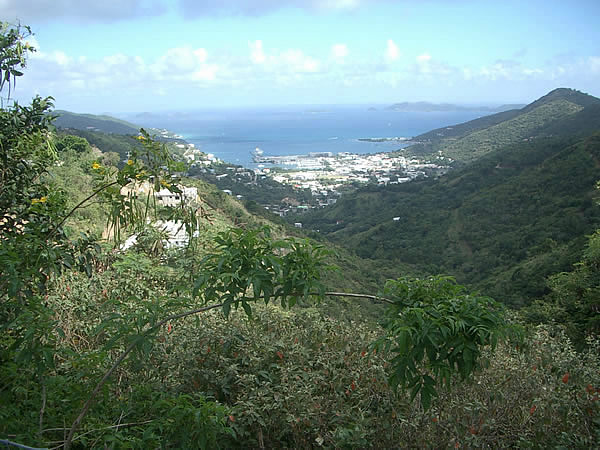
[{"x": 232, "y": 134}]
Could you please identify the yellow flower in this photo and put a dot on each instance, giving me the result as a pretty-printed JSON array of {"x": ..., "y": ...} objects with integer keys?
[
  {"x": 141, "y": 174},
  {"x": 95, "y": 166},
  {"x": 130, "y": 162},
  {"x": 165, "y": 184},
  {"x": 140, "y": 138},
  {"x": 39, "y": 200}
]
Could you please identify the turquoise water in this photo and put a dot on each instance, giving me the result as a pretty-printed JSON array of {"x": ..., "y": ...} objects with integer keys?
[{"x": 233, "y": 134}]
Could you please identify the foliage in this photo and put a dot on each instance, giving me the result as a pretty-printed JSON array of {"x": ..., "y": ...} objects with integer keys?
[
  {"x": 249, "y": 265},
  {"x": 73, "y": 176},
  {"x": 70, "y": 142},
  {"x": 29, "y": 206},
  {"x": 252, "y": 187},
  {"x": 574, "y": 300},
  {"x": 542, "y": 395},
  {"x": 104, "y": 124},
  {"x": 437, "y": 331},
  {"x": 508, "y": 132},
  {"x": 299, "y": 379},
  {"x": 13, "y": 53},
  {"x": 120, "y": 144},
  {"x": 293, "y": 378},
  {"x": 35, "y": 248},
  {"x": 579, "y": 291}
]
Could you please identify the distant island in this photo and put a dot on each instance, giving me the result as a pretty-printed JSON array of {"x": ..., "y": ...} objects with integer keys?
[
  {"x": 385, "y": 139},
  {"x": 437, "y": 107}
]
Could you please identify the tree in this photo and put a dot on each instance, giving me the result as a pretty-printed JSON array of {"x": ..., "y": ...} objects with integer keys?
[
  {"x": 578, "y": 293},
  {"x": 70, "y": 142},
  {"x": 437, "y": 331}
]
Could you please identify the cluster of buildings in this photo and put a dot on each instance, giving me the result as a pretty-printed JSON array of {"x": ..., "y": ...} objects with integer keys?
[
  {"x": 195, "y": 157},
  {"x": 324, "y": 174},
  {"x": 334, "y": 172},
  {"x": 327, "y": 176}
]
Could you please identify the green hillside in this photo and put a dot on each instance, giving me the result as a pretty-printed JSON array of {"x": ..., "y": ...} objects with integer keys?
[
  {"x": 106, "y": 142},
  {"x": 92, "y": 122},
  {"x": 502, "y": 224},
  {"x": 466, "y": 142}
]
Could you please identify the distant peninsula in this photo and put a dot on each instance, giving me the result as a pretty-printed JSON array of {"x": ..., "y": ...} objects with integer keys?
[{"x": 437, "y": 107}]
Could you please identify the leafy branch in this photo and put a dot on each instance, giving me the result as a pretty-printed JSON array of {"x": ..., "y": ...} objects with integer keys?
[{"x": 438, "y": 331}]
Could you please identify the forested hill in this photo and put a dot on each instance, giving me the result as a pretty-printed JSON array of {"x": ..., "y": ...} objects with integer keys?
[
  {"x": 103, "y": 123},
  {"x": 468, "y": 141},
  {"x": 502, "y": 224}
]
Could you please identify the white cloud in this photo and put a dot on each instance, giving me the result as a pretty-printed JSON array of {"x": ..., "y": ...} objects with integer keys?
[
  {"x": 511, "y": 70},
  {"x": 339, "y": 52},
  {"x": 185, "y": 65},
  {"x": 182, "y": 59},
  {"x": 58, "y": 57},
  {"x": 392, "y": 52},
  {"x": 115, "y": 60},
  {"x": 531, "y": 72},
  {"x": 182, "y": 68},
  {"x": 291, "y": 61},
  {"x": 257, "y": 53},
  {"x": 467, "y": 73},
  {"x": 594, "y": 64},
  {"x": 337, "y": 4},
  {"x": 205, "y": 73},
  {"x": 61, "y": 58},
  {"x": 297, "y": 61},
  {"x": 495, "y": 71},
  {"x": 424, "y": 58}
]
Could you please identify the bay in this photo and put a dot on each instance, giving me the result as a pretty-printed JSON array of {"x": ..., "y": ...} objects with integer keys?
[{"x": 232, "y": 134}]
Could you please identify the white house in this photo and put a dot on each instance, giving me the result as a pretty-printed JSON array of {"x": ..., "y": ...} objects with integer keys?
[{"x": 167, "y": 198}]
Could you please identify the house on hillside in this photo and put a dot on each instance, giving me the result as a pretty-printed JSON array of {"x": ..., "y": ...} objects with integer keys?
[
  {"x": 165, "y": 197},
  {"x": 176, "y": 234}
]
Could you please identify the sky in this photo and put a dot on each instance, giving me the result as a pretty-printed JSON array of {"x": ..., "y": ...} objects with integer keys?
[{"x": 149, "y": 55}]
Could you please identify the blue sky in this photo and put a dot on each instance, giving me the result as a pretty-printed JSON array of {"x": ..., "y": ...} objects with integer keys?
[{"x": 149, "y": 55}]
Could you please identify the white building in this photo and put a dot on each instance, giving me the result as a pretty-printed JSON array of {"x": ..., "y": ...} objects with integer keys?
[{"x": 165, "y": 197}]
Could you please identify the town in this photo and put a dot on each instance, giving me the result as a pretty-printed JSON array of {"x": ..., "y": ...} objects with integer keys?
[{"x": 298, "y": 183}]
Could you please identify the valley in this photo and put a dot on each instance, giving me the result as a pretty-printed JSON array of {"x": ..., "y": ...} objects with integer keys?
[{"x": 444, "y": 294}]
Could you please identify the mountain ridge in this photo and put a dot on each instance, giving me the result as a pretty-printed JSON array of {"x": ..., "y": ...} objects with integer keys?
[
  {"x": 436, "y": 107},
  {"x": 93, "y": 122},
  {"x": 466, "y": 142}
]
